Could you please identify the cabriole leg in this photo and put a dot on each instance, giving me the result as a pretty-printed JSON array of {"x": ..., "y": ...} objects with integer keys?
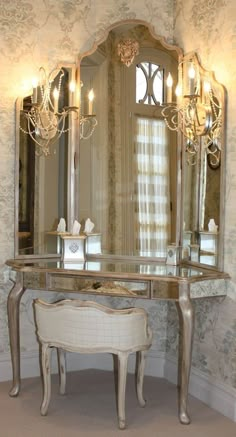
[
  {"x": 13, "y": 310},
  {"x": 140, "y": 376},
  {"x": 187, "y": 321},
  {"x": 122, "y": 375},
  {"x": 46, "y": 369}
]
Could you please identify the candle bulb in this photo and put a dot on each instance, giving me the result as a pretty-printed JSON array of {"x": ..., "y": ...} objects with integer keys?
[
  {"x": 191, "y": 75},
  {"x": 90, "y": 99},
  {"x": 169, "y": 84},
  {"x": 56, "y": 98},
  {"x": 178, "y": 91},
  {"x": 35, "y": 91},
  {"x": 72, "y": 86}
]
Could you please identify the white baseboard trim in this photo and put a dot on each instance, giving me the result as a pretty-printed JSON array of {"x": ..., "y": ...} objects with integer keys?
[
  {"x": 215, "y": 394},
  {"x": 155, "y": 363}
]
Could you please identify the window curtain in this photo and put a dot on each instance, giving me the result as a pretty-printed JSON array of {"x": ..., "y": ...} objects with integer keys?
[{"x": 152, "y": 188}]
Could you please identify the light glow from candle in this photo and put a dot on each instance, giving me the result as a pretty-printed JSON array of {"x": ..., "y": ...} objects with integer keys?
[
  {"x": 207, "y": 87},
  {"x": 178, "y": 90},
  {"x": 169, "y": 84},
  {"x": 91, "y": 99},
  {"x": 72, "y": 86},
  {"x": 34, "y": 85}
]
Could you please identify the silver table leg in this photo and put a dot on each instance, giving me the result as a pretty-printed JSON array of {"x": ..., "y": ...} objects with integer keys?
[
  {"x": 13, "y": 310},
  {"x": 186, "y": 314}
]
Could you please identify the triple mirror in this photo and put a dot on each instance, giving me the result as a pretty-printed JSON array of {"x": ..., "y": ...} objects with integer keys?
[{"x": 129, "y": 179}]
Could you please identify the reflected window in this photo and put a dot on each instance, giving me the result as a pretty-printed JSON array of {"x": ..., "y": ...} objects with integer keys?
[
  {"x": 152, "y": 186},
  {"x": 149, "y": 83}
]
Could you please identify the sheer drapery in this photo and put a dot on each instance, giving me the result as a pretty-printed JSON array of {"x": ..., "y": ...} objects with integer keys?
[{"x": 152, "y": 187}]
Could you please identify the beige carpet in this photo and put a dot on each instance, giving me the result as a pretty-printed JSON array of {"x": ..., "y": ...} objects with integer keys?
[{"x": 89, "y": 409}]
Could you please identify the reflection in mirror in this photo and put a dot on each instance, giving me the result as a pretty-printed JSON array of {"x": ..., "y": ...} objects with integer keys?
[
  {"x": 203, "y": 194},
  {"x": 44, "y": 180},
  {"x": 128, "y": 169}
]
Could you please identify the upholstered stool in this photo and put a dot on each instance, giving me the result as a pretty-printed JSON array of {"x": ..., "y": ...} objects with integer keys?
[{"x": 87, "y": 327}]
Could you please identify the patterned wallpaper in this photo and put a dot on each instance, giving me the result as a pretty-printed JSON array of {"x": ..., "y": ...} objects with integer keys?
[
  {"x": 51, "y": 31},
  {"x": 208, "y": 27}
]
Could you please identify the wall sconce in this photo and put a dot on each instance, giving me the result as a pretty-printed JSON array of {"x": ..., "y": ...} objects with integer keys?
[
  {"x": 197, "y": 113},
  {"x": 46, "y": 116},
  {"x": 45, "y": 121}
]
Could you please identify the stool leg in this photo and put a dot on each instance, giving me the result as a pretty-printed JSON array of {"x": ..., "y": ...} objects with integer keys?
[
  {"x": 46, "y": 364},
  {"x": 141, "y": 355},
  {"x": 61, "y": 358},
  {"x": 122, "y": 375}
]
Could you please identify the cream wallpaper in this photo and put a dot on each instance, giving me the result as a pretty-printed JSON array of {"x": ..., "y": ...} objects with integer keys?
[
  {"x": 208, "y": 27},
  {"x": 45, "y": 32}
]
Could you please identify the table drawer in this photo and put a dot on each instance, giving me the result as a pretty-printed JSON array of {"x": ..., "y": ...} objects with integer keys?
[
  {"x": 164, "y": 290},
  {"x": 99, "y": 286}
]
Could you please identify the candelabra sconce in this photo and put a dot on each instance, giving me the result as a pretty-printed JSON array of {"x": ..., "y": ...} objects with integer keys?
[
  {"x": 45, "y": 121},
  {"x": 197, "y": 112}
]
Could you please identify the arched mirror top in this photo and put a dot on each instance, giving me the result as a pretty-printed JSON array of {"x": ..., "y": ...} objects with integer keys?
[{"x": 128, "y": 29}]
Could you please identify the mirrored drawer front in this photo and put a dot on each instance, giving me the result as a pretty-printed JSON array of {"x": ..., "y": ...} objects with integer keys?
[
  {"x": 164, "y": 290},
  {"x": 35, "y": 280},
  {"x": 100, "y": 286}
]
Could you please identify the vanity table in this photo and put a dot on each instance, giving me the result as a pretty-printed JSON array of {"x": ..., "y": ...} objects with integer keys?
[
  {"x": 114, "y": 277},
  {"x": 100, "y": 176}
]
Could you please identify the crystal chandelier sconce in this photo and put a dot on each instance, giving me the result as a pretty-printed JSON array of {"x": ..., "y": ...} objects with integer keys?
[
  {"x": 127, "y": 49},
  {"x": 45, "y": 120},
  {"x": 88, "y": 121},
  {"x": 196, "y": 113}
]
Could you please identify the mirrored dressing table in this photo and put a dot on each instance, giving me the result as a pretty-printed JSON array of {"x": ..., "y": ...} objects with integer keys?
[
  {"x": 141, "y": 280},
  {"x": 96, "y": 176}
]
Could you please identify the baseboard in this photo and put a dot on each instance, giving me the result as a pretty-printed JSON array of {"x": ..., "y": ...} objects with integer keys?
[
  {"x": 215, "y": 394},
  {"x": 155, "y": 363}
]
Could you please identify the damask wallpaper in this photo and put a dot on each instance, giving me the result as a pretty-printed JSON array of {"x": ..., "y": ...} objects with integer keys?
[{"x": 35, "y": 33}]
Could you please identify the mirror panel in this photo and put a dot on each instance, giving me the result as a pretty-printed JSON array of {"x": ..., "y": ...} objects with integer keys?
[
  {"x": 128, "y": 169},
  {"x": 203, "y": 188},
  {"x": 43, "y": 183}
]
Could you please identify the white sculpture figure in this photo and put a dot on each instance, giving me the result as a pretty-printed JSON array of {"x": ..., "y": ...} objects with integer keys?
[
  {"x": 76, "y": 228},
  {"x": 88, "y": 226},
  {"x": 212, "y": 227},
  {"x": 62, "y": 225}
]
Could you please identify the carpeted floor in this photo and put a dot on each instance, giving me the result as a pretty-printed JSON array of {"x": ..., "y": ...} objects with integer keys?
[{"x": 89, "y": 409}]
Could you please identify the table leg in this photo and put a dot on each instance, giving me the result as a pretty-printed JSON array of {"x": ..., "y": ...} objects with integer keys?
[
  {"x": 13, "y": 309},
  {"x": 186, "y": 314}
]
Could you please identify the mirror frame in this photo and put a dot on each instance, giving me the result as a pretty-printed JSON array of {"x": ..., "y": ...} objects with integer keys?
[
  {"x": 74, "y": 146},
  {"x": 179, "y": 55},
  {"x": 71, "y": 166},
  {"x": 222, "y": 94}
]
